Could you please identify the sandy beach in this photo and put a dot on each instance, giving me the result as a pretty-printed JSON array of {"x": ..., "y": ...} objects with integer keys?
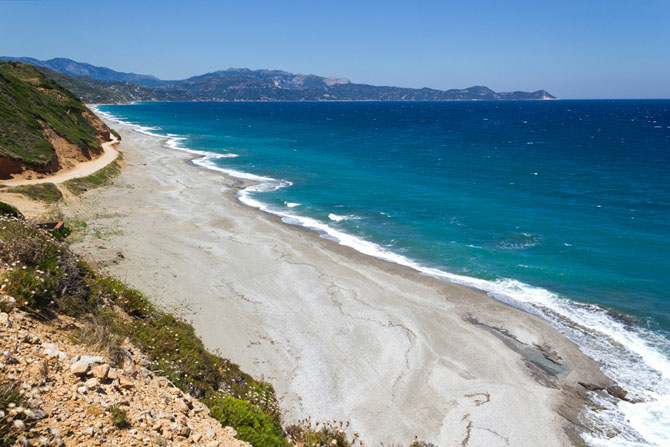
[{"x": 341, "y": 335}]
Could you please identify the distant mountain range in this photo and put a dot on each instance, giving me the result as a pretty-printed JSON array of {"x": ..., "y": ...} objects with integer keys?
[{"x": 103, "y": 85}]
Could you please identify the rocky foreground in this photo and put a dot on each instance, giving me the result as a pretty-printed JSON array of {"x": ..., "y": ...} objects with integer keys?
[{"x": 70, "y": 394}]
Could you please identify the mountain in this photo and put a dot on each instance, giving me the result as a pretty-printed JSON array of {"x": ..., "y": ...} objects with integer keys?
[
  {"x": 77, "y": 69},
  {"x": 99, "y": 84},
  {"x": 92, "y": 91},
  {"x": 43, "y": 126}
]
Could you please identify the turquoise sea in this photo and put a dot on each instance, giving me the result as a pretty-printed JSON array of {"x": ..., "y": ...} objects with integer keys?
[{"x": 561, "y": 208}]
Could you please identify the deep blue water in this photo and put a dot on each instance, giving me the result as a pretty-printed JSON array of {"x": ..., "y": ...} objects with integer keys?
[{"x": 553, "y": 206}]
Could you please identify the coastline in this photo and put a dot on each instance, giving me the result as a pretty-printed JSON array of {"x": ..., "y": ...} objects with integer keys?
[{"x": 340, "y": 334}]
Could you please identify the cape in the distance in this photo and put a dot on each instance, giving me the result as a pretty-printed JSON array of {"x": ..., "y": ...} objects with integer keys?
[{"x": 94, "y": 84}]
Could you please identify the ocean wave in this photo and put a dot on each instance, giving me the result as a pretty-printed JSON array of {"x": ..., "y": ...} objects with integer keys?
[
  {"x": 337, "y": 218},
  {"x": 635, "y": 357},
  {"x": 291, "y": 204}
]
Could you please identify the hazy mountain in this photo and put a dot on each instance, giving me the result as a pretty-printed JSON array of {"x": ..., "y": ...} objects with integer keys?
[{"x": 100, "y": 84}]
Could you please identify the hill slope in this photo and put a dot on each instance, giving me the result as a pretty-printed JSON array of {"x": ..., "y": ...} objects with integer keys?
[
  {"x": 74, "y": 68},
  {"x": 42, "y": 125},
  {"x": 242, "y": 84},
  {"x": 93, "y": 91}
]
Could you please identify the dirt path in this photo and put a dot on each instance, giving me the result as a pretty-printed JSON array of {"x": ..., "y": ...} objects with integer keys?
[{"x": 81, "y": 170}]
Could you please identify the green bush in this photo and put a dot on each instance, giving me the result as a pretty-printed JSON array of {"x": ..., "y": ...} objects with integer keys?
[
  {"x": 119, "y": 417},
  {"x": 8, "y": 210},
  {"x": 251, "y": 424}
]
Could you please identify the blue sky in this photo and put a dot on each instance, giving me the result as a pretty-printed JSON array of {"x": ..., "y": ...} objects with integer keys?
[{"x": 574, "y": 49}]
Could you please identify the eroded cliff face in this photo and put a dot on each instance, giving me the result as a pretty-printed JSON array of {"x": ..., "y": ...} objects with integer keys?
[
  {"x": 43, "y": 127},
  {"x": 66, "y": 153}
]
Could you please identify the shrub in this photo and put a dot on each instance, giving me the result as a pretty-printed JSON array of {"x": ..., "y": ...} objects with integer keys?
[
  {"x": 9, "y": 394},
  {"x": 119, "y": 417},
  {"x": 321, "y": 434},
  {"x": 251, "y": 424},
  {"x": 98, "y": 332},
  {"x": 8, "y": 210}
]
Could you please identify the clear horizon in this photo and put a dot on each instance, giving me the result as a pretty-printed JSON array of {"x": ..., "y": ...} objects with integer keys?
[{"x": 598, "y": 51}]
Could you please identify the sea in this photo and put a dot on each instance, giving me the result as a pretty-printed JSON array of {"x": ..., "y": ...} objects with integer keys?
[{"x": 560, "y": 208}]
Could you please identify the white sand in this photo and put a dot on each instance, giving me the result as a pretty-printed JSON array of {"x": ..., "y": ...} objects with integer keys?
[{"x": 340, "y": 335}]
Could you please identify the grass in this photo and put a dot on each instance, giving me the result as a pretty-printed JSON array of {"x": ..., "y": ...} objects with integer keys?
[
  {"x": 102, "y": 177},
  {"x": 31, "y": 102},
  {"x": 9, "y": 394},
  {"x": 43, "y": 192}
]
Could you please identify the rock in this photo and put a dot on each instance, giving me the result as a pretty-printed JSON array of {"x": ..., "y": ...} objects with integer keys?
[
  {"x": 112, "y": 374},
  {"x": 82, "y": 389},
  {"x": 183, "y": 406},
  {"x": 185, "y": 431},
  {"x": 100, "y": 372},
  {"x": 19, "y": 425},
  {"x": 4, "y": 320},
  {"x": 125, "y": 383},
  {"x": 81, "y": 366},
  {"x": 92, "y": 383},
  {"x": 591, "y": 386},
  {"x": 618, "y": 392},
  {"x": 37, "y": 415},
  {"x": 7, "y": 304}
]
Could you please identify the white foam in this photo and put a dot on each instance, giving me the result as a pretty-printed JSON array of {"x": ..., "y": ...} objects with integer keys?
[
  {"x": 337, "y": 218},
  {"x": 633, "y": 356},
  {"x": 292, "y": 204}
]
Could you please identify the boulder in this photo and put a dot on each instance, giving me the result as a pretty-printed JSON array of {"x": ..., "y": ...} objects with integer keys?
[
  {"x": 100, "y": 372},
  {"x": 81, "y": 366},
  {"x": 7, "y": 304},
  {"x": 183, "y": 406}
]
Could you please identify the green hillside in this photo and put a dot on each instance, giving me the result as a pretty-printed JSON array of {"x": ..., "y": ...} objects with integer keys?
[{"x": 31, "y": 103}]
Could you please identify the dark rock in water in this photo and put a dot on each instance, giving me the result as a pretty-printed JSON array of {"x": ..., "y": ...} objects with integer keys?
[
  {"x": 612, "y": 390},
  {"x": 618, "y": 392},
  {"x": 592, "y": 386},
  {"x": 621, "y": 318}
]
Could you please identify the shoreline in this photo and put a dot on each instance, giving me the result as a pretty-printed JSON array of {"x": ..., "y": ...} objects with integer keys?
[{"x": 376, "y": 303}]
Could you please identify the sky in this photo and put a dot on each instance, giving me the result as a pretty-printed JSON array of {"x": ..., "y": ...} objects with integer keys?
[{"x": 573, "y": 49}]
